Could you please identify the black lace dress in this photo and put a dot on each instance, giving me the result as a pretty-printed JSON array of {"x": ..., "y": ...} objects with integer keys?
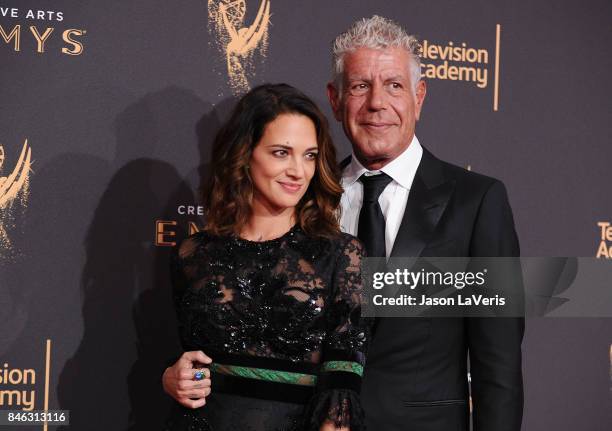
[{"x": 281, "y": 321}]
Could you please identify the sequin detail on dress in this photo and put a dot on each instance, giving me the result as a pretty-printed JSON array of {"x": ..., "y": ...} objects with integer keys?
[{"x": 295, "y": 299}]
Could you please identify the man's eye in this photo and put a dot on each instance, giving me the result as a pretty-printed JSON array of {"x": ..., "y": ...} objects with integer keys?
[
  {"x": 359, "y": 89},
  {"x": 396, "y": 85}
]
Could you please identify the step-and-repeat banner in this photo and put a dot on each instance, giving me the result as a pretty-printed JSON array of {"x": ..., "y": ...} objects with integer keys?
[{"x": 107, "y": 114}]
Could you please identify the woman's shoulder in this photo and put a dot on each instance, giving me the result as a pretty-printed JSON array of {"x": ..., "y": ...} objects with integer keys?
[
  {"x": 196, "y": 242},
  {"x": 346, "y": 241},
  {"x": 339, "y": 241},
  {"x": 344, "y": 244}
]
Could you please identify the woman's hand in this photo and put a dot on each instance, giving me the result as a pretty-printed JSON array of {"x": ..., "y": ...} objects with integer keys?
[{"x": 178, "y": 380}]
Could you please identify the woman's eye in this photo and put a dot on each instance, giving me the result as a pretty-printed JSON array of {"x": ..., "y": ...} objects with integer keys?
[
  {"x": 280, "y": 153},
  {"x": 312, "y": 156}
]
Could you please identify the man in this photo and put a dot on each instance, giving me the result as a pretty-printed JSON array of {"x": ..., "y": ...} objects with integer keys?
[{"x": 402, "y": 201}]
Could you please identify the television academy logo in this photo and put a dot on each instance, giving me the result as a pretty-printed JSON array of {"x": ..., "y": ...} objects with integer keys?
[
  {"x": 605, "y": 237},
  {"x": 20, "y": 388},
  {"x": 241, "y": 46},
  {"x": 14, "y": 192},
  {"x": 461, "y": 62}
]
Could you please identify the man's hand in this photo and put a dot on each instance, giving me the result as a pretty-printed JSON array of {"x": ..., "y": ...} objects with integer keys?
[{"x": 179, "y": 383}]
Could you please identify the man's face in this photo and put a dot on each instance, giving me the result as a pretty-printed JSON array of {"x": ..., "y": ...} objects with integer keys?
[{"x": 378, "y": 106}]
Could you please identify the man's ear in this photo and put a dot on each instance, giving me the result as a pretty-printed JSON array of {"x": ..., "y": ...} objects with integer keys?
[
  {"x": 421, "y": 91},
  {"x": 334, "y": 100}
]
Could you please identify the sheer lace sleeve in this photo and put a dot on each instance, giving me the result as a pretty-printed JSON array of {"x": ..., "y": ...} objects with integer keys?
[
  {"x": 348, "y": 334},
  {"x": 185, "y": 270},
  {"x": 181, "y": 268}
]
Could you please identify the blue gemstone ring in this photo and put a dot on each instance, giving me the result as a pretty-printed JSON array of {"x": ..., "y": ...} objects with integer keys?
[{"x": 198, "y": 375}]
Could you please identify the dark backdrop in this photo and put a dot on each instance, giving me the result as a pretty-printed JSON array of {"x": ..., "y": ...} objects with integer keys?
[{"x": 120, "y": 133}]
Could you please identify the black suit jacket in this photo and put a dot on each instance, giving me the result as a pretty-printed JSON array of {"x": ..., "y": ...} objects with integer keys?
[{"x": 416, "y": 372}]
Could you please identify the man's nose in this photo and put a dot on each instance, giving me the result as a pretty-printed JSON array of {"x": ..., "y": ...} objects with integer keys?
[{"x": 376, "y": 97}]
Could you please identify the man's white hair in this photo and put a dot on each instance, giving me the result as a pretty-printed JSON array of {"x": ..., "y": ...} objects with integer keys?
[{"x": 376, "y": 32}]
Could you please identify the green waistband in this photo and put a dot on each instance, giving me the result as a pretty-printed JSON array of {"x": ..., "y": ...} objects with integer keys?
[
  {"x": 265, "y": 374},
  {"x": 348, "y": 366},
  {"x": 285, "y": 376}
]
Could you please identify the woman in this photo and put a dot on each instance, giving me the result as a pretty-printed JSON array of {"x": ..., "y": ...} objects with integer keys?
[{"x": 271, "y": 290}]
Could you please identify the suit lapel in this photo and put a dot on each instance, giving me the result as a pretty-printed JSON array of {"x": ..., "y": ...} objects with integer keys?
[{"x": 428, "y": 198}]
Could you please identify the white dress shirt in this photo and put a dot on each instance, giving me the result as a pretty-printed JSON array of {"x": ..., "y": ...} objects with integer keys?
[{"x": 392, "y": 200}]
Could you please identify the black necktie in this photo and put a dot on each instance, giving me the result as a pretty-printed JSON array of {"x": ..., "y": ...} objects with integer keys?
[{"x": 371, "y": 228}]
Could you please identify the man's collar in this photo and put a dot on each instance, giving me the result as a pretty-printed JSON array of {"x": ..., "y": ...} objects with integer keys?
[{"x": 402, "y": 169}]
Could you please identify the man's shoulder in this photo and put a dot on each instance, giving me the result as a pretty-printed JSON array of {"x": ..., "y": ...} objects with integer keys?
[
  {"x": 468, "y": 179},
  {"x": 469, "y": 176}
]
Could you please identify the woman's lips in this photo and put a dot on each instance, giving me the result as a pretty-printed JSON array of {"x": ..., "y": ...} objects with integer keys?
[{"x": 290, "y": 187}]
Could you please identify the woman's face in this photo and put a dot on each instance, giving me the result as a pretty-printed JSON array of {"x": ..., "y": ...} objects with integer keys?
[{"x": 283, "y": 162}]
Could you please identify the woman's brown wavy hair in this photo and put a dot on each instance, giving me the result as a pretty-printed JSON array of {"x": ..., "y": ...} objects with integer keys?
[{"x": 228, "y": 192}]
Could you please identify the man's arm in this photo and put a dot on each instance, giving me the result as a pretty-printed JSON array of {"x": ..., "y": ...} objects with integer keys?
[
  {"x": 179, "y": 380},
  {"x": 495, "y": 343}
]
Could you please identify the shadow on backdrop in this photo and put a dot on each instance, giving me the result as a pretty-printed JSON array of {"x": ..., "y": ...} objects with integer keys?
[{"x": 113, "y": 381}]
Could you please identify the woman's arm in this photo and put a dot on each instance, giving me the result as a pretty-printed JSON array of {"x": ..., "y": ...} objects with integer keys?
[{"x": 337, "y": 405}]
